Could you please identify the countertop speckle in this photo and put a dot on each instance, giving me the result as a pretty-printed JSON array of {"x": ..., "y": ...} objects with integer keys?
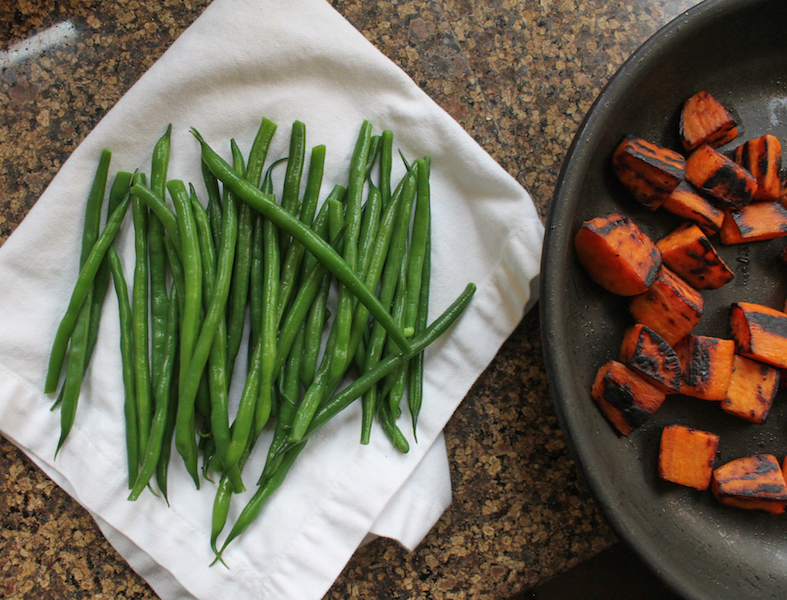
[{"x": 518, "y": 75}]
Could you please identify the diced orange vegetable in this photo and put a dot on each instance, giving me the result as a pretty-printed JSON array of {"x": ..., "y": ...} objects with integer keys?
[
  {"x": 760, "y": 333},
  {"x": 617, "y": 254},
  {"x": 625, "y": 398},
  {"x": 706, "y": 366},
  {"x": 670, "y": 307},
  {"x": 689, "y": 253},
  {"x": 762, "y": 157},
  {"x": 704, "y": 120},
  {"x": 752, "y": 388},
  {"x": 685, "y": 202},
  {"x": 752, "y": 482},
  {"x": 755, "y": 222},
  {"x": 646, "y": 352},
  {"x": 686, "y": 456},
  {"x": 650, "y": 172},
  {"x": 715, "y": 174}
]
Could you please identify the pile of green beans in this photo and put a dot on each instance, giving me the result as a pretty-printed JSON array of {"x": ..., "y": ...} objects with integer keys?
[{"x": 201, "y": 268}]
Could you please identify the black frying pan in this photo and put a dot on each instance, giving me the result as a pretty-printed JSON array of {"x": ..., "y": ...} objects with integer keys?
[{"x": 737, "y": 51}]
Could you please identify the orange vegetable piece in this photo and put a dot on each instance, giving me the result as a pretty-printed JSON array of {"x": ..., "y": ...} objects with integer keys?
[
  {"x": 650, "y": 172},
  {"x": 670, "y": 307},
  {"x": 715, "y": 174},
  {"x": 690, "y": 254},
  {"x": 646, "y": 352},
  {"x": 685, "y": 202},
  {"x": 760, "y": 333},
  {"x": 625, "y": 398},
  {"x": 762, "y": 157},
  {"x": 752, "y": 389},
  {"x": 752, "y": 482},
  {"x": 617, "y": 254},
  {"x": 706, "y": 366},
  {"x": 704, "y": 120},
  {"x": 686, "y": 456},
  {"x": 755, "y": 222}
]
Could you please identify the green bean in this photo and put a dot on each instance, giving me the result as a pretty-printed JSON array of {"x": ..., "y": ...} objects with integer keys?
[
  {"x": 386, "y": 162},
  {"x": 127, "y": 362},
  {"x": 419, "y": 237},
  {"x": 215, "y": 205},
  {"x": 320, "y": 225},
  {"x": 158, "y": 206},
  {"x": 369, "y": 224},
  {"x": 185, "y": 441},
  {"x": 162, "y": 467},
  {"x": 162, "y": 395},
  {"x": 306, "y": 236},
  {"x": 95, "y": 200},
  {"x": 259, "y": 151},
  {"x": 397, "y": 380},
  {"x": 178, "y": 275},
  {"x": 292, "y": 179},
  {"x": 388, "y": 423},
  {"x": 374, "y": 150}
]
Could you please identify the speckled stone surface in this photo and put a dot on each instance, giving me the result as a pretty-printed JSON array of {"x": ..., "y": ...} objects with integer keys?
[{"x": 518, "y": 75}]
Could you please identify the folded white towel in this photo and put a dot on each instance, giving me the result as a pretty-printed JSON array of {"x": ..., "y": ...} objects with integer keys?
[{"x": 240, "y": 61}]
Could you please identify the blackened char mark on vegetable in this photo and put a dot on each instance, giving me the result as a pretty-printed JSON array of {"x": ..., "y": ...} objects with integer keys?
[
  {"x": 770, "y": 323},
  {"x": 726, "y": 183},
  {"x": 622, "y": 398},
  {"x": 699, "y": 366}
]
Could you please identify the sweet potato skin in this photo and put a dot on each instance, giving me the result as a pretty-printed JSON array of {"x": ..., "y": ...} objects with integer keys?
[
  {"x": 617, "y": 254},
  {"x": 713, "y": 173},
  {"x": 706, "y": 366},
  {"x": 690, "y": 254},
  {"x": 646, "y": 352},
  {"x": 752, "y": 389},
  {"x": 686, "y": 456},
  {"x": 762, "y": 157},
  {"x": 752, "y": 482},
  {"x": 760, "y": 333},
  {"x": 650, "y": 172},
  {"x": 686, "y": 203},
  {"x": 753, "y": 223},
  {"x": 704, "y": 120},
  {"x": 670, "y": 307}
]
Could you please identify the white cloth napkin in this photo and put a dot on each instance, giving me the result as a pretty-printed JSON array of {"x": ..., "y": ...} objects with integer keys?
[{"x": 240, "y": 61}]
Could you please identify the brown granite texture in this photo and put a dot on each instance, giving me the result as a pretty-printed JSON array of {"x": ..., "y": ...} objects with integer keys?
[{"x": 518, "y": 75}]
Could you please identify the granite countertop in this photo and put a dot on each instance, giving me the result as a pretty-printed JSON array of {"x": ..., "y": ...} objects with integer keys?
[{"x": 518, "y": 75}]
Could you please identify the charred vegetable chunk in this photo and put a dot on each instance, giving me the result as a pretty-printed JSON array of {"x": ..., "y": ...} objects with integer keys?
[
  {"x": 760, "y": 333},
  {"x": 752, "y": 482},
  {"x": 646, "y": 352},
  {"x": 704, "y": 120},
  {"x": 706, "y": 366},
  {"x": 762, "y": 157},
  {"x": 625, "y": 398},
  {"x": 648, "y": 171},
  {"x": 715, "y": 174},
  {"x": 755, "y": 222},
  {"x": 670, "y": 307},
  {"x": 752, "y": 389},
  {"x": 686, "y": 456},
  {"x": 690, "y": 254},
  {"x": 617, "y": 254},
  {"x": 685, "y": 202}
]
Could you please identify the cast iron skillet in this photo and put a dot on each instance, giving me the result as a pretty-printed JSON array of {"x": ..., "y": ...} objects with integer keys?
[{"x": 736, "y": 50}]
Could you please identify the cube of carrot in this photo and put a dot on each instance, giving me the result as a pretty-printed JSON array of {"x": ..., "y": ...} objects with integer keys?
[
  {"x": 752, "y": 389},
  {"x": 752, "y": 482},
  {"x": 617, "y": 254},
  {"x": 703, "y": 120},
  {"x": 760, "y": 333},
  {"x": 715, "y": 174},
  {"x": 690, "y": 254},
  {"x": 625, "y": 398},
  {"x": 646, "y": 352},
  {"x": 686, "y": 456},
  {"x": 650, "y": 172},
  {"x": 756, "y": 222},
  {"x": 670, "y": 307},
  {"x": 762, "y": 157},
  {"x": 685, "y": 202},
  {"x": 706, "y": 366}
]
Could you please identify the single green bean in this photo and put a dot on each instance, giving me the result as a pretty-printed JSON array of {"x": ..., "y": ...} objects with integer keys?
[
  {"x": 165, "y": 214},
  {"x": 259, "y": 151},
  {"x": 95, "y": 200},
  {"x": 374, "y": 150},
  {"x": 215, "y": 205},
  {"x": 388, "y": 423},
  {"x": 292, "y": 179},
  {"x": 386, "y": 163}
]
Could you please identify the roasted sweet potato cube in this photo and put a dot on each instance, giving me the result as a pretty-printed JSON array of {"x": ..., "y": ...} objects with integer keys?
[
  {"x": 625, "y": 398},
  {"x": 753, "y": 223},
  {"x": 650, "y": 172},
  {"x": 617, "y": 254},
  {"x": 752, "y": 482},
  {"x": 753, "y": 386},
  {"x": 760, "y": 333},
  {"x": 685, "y": 202},
  {"x": 670, "y": 307},
  {"x": 762, "y": 157},
  {"x": 646, "y": 352},
  {"x": 718, "y": 176},
  {"x": 686, "y": 456},
  {"x": 690, "y": 254},
  {"x": 703, "y": 120},
  {"x": 706, "y": 366}
]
